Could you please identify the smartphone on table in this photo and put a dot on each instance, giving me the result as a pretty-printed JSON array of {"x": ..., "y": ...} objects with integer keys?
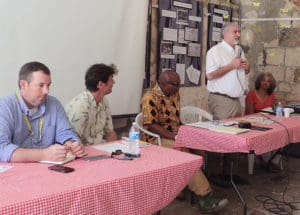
[{"x": 61, "y": 168}]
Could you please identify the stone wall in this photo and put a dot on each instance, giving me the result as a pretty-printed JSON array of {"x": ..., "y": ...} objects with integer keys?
[{"x": 271, "y": 38}]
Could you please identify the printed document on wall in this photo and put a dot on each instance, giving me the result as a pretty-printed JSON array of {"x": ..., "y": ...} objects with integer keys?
[
  {"x": 191, "y": 34},
  {"x": 194, "y": 50},
  {"x": 181, "y": 39},
  {"x": 170, "y": 34},
  {"x": 193, "y": 74}
]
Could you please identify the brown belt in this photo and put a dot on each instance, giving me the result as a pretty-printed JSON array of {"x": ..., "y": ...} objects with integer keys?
[{"x": 221, "y": 94}]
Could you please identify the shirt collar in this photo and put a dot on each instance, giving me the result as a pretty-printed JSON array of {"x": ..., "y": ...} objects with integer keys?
[
  {"x": 91, "y": 98},
  {"x": 158, "y": 90},
  {"x": 161, "y": 93},
  {"x": 25, "y": 110},
  {"x": 227, "y": 46}
]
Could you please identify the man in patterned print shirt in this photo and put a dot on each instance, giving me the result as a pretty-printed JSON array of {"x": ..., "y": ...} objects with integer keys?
[
  {"x": 89, "y": 112},
  {"x": 160, "y": 108}
]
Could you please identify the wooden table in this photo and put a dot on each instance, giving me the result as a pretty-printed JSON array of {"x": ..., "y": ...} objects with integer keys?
[{"x": 110, "y": 186}]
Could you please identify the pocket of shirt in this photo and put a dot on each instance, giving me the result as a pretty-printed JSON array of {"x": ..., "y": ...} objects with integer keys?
[{"x": 48, "y": 137}]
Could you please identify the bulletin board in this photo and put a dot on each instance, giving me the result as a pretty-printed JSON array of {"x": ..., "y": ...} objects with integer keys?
[
  {"x": 180, "y": 37},
  {"x": 217, "y": 16}
]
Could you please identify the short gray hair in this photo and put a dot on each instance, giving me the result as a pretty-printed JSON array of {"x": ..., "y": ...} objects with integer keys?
[{"x": 226, "y": 26}]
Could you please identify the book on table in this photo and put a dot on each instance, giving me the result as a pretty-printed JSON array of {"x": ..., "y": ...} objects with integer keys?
[
  {"x": 228, "y": 129},
  {"x": 219, "y": 127}
]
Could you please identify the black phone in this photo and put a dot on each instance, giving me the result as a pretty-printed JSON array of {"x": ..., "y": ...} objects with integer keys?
[{"x": 61, "y": 168}]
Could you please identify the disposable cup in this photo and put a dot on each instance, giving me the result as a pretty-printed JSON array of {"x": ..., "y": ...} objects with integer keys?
[{"x": 287, "y": 112}]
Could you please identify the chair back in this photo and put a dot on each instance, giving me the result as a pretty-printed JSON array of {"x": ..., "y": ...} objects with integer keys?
[
  {"x": 139, "y": 123},
  {"x": 190, "y": 114}
]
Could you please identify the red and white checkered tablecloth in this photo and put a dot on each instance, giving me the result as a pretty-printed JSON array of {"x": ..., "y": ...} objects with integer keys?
[
  {"x": 110, "y": 186},
  {"x": 288, "y": 131}
]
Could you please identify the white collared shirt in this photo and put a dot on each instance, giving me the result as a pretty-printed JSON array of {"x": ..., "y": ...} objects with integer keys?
[{"x": 233, "y": 83}]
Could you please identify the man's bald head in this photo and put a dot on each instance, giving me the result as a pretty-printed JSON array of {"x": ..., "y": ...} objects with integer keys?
[{"x": 169, "y": 82}]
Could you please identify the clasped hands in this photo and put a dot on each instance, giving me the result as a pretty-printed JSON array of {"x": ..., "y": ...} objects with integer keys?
[
  {"x": 239, "y": 63},
  {"x": 58, "y": 152}
]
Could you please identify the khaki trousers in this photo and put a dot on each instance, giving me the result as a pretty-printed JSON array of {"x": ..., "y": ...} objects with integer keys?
[
  {"x": 198, "y": 183},
  {"x": 222, "y": 107}
]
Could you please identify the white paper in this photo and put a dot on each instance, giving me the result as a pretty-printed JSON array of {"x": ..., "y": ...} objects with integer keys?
[
  {"x": 220, "y": 11},
  {"x": 194, "y": 50},
  {"x": 195, "y": 18},
  {"x": 216, "y": 35},
  {"x": 69, "y": 158},
  {"x": 218, "y": 19},
  {"x": 193, "y": 74},
  {"x": 170, "y": 34},
  {"x": 181, "y": 4},
  {"x": 181, "y": 36},
  {"x": 166, "y": 56},
  {"x": 112, "y": 147},
  {"x": 168, "y": 13},
  {"x": 217, "y": 29},
  {"x": 4, "y": 168},
  {"x": 179, "y": 50},
  {"x": 180, "y": 69},
  {"x": 191, "y": 34},
  {"x": 165, "y": 69}
]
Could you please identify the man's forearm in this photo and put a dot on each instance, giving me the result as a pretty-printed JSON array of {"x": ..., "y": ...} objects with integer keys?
[
  {"x": 163, "y": 132},
  {"x": 26, "y": 155}
]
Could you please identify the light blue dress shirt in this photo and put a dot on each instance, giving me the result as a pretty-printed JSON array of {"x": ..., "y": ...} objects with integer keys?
[{"x": 15, "y": 132}]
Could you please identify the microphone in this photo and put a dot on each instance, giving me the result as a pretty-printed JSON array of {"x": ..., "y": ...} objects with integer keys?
[{"x": 239, "y": 52}]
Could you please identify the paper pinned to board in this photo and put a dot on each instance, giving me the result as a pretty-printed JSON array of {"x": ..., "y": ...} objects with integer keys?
[{"x": 193, "y": 74}]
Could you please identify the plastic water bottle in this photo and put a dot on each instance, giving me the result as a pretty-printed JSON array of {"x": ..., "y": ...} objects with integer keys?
[
  {"x": 134, "y": 137},
  {"x": 279, "y": 111}
]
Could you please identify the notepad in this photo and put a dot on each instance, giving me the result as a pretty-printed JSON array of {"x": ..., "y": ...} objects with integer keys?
[
  {"x": 210, "y": 124},
  {"x": 200, "y": 124},
  {"x": 228, "y": 130},
  {"x": 69, "y": 158},
  {"x": 4, "y": 168}
]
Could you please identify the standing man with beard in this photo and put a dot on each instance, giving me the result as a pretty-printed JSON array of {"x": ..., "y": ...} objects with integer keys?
[
  {"x": 226, "y": 70},
  {"x": 33, "y": 125}
]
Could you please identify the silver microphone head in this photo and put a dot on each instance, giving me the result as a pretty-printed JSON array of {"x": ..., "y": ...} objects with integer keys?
[{"x": 239, "y": 52}]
